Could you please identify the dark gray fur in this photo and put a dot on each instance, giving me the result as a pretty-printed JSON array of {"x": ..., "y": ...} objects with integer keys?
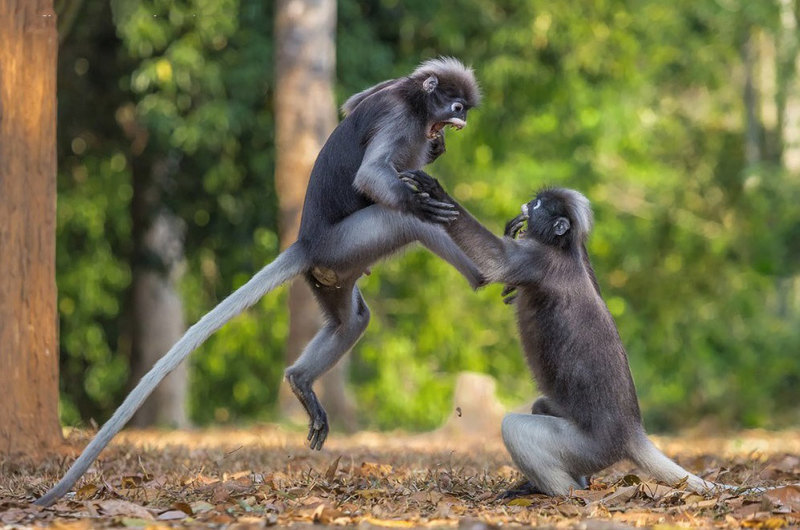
[
  {"x": 356, "y": 212},
  {"x": 588, "y": 417}
]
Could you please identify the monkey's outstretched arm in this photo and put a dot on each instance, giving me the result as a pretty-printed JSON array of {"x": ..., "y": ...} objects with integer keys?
[{"x": 499, "y": 259}]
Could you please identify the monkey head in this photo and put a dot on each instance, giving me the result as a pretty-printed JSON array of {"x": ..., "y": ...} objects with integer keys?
[
  {"x": 449, "y": 90},
  {"x": 557, "y": 217}
]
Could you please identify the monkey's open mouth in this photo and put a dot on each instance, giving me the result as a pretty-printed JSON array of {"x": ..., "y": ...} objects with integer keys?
[{"x": 455, "y": 123}]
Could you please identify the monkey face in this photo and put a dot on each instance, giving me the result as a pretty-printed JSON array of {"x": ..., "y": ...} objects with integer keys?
[
  {"x": 445, "y": 110},
  {"x": 449, "y": 90},
  {"x": 548, "y": 220},
  {"x": 447, "y": 105}
]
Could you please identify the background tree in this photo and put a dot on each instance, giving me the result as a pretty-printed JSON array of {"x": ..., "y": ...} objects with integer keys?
[
  {"x": 305, "y": 114},
  {"x": 28, "y": 332}
]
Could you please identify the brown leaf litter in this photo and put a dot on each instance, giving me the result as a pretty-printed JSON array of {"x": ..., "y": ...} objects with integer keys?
[{"x": 266, "y": 476}]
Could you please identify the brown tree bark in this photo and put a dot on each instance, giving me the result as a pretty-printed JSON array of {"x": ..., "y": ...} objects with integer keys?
[
  {"x": 28, "y": 321},
  {"x": 305, "y": 114},
  {"x": 789, "y": 86},
  {"x": 788, "y": 103}
]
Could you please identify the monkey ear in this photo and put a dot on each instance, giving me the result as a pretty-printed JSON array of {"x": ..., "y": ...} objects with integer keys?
[
  {"x": 430, "y": 84},
  {"x": 561, "y": 226}
]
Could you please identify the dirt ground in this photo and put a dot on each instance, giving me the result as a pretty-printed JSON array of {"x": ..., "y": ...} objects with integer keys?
[{"x": 265, "y": 476}]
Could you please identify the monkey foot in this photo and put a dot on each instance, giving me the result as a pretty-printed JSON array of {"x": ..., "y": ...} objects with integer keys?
[
  {"x": 318, "y": 424},
  {"x": 318, "y": 431},
  {"x": 519, "y": 489}
]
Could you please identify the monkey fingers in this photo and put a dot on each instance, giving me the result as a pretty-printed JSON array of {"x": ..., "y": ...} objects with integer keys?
[
  {"x": 514, "y": 226},
  {"x": 439, "y": 212},
  {"x": 422, "y": 206},
  {"x": 436, "y": 147},
  {"x": 410, "y": 182},
  {"x": 509, "y": 294},
  {"x": 422, "y": 182}
]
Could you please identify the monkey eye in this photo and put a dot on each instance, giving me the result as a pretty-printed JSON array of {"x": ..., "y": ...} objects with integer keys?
[
  {"x": 537, "y": 204},
  {"x": 457, "y": 107}
]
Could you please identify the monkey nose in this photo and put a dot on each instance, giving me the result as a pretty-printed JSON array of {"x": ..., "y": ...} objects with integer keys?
[{"x": 525, "y": 210}]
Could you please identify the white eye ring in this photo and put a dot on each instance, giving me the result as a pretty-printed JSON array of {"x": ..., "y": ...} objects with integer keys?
[{"x": 538, "y": 203}]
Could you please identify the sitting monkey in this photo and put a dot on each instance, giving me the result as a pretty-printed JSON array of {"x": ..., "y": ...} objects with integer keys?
[{"x": 588, "y": 417}]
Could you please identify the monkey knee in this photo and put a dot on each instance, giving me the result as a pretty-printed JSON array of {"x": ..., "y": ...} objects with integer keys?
[
  {"x": 296, "y": 377},
  {"x": 513, "y": 431}
]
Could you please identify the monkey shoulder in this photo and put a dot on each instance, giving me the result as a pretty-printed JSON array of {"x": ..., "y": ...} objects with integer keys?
[
  {"x": 387, "y": 115},
  {"x": 330, "y": 195}
]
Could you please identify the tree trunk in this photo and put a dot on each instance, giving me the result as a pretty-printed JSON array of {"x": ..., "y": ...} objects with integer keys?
[
  {"x": 789, "y": 124},
  {"x": 157, "y": 310},
  {"x": 753, "y": 127},
  {"x": 28, "y": 320},
  {"x": 305, "y": 114},
  {"x": 789, "y": 88}
]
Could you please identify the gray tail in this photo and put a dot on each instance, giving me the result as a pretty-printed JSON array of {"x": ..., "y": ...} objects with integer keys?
[
  {"x": 658, "y": 465},
  {"x": 286, "y": 266}
]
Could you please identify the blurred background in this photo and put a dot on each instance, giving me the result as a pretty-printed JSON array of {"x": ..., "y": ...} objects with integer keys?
[{"x": 679, "y": 120}]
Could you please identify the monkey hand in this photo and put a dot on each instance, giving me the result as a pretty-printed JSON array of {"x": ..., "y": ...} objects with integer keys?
[
  {"x": 436, "y": 147},
  {"x": 427, "y": 200},
  {"x": 421, "y": 182},
  {"x": 514, "y": 226},
  {"x": 509, "y": 294}
]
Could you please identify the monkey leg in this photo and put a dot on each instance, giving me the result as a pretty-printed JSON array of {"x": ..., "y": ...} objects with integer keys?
[
  {"x": 552, "y": 453},
  {"x": 547, "y": 407},
  {"x": 347, "y": 316},
  {"x": 372, "y": 233}
]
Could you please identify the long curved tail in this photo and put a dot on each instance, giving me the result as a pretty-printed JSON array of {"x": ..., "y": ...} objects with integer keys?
[
  {"x": 658, "y": 465},
  {"x": 287, "y": 265}
]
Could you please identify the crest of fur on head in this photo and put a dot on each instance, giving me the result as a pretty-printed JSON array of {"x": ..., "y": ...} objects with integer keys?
[
  {"x": 451, "y": 71},
  {"x": 580, "y": 210},
  {"x": 448, "y": 70}
]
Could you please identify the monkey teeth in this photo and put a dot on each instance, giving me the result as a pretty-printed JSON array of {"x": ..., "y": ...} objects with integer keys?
[
  {"x": 455, "y": 123},
  {"x": 437, "y": 127}
]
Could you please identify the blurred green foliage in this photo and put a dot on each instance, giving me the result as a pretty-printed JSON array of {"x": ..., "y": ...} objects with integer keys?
[{"x": 638, "y": 104}]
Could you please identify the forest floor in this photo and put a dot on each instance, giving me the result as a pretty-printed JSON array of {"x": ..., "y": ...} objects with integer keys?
[{"x": 265, "y": 476}]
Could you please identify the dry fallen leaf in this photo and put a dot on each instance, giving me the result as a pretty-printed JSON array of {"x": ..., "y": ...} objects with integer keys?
[
  {"x": 372, "y": 469},
  {"x": 330, "y": 474},
  {"x": 124, "y": 508},
  {"x": 788, "y": 496},
  {"x": 172, "y": 515},
  {"x": 85, "y": 492},
  {"x": 83, "y": 524}
]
